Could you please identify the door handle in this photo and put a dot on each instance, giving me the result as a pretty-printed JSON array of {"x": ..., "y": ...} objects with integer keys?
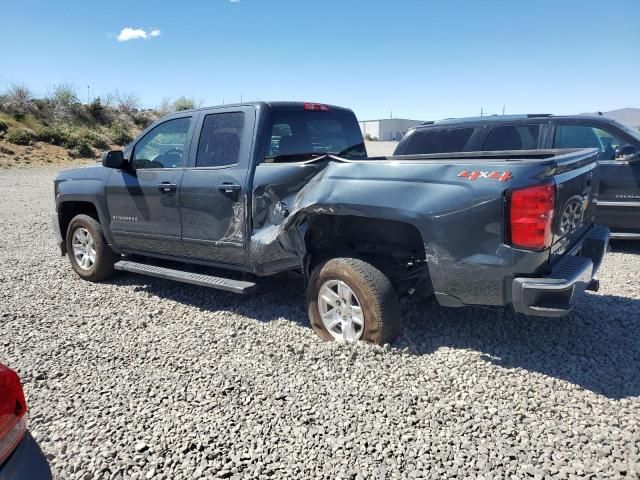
[
  {"x": 230, "y": 190},
  {"x": 166, "y": 187}
]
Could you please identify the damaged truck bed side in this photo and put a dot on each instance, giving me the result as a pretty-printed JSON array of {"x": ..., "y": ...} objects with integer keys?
[{"x": 265, "y": 188}]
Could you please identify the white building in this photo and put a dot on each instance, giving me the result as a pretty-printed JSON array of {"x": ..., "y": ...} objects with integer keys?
[{"x": 387, "y": 129}]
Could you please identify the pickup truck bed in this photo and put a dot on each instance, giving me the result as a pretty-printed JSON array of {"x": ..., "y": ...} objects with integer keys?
[{"x": 474, "y": 228}]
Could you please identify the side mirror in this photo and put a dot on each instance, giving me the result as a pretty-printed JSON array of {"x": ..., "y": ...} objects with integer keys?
[
  {"x": 627, "y": 153},
  {"x": 113, "y": 159}
]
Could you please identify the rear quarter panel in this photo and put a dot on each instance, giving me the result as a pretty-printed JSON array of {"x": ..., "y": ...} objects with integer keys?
[{"x": 460, "y": 220}]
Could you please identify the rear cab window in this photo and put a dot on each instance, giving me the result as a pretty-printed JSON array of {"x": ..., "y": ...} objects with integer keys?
[
  {"x": 297, "y": 135},
  {"x": 512, "y": 137},
  {"x": 438, "y": 140}
]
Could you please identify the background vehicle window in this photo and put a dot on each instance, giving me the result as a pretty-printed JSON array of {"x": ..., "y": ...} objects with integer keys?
[
  {"x": 512, "y": 137},
  {"x": 582, "y": 136},
  {"x": 438, "y": 141},
  {"x": 163, "y": 146},
  {"x": 302, "y": 135},
  {"x": 219, "y": 143}
]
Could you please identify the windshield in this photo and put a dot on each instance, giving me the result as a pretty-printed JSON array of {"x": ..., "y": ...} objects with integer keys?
[
  {"x": 635, "y": 133},
  {"x": 300, "y": 135}
]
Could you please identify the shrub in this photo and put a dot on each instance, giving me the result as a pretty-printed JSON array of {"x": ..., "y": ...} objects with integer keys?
[
  {"x": 76, "y": 139},
  {"x": 53, "y": 135},
  {"x": 165, "y": 107},
  {"x": 371, "y": 138},
  {"x": 127, "y": 102},
  {"x": 120, "y": 133},
  {"x": 19, "y": 136},
  {"x": 142, "y": 120},
  {"x": 97, "y": 111},
  {"x": 3, "y": 127},
  {"x": 64, "y": 101},
  {"x": 183, "y": 103},
  {"x": 17, "y": 100}
]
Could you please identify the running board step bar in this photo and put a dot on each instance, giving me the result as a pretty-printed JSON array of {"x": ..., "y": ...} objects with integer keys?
[{"x": 226, "y": 284}]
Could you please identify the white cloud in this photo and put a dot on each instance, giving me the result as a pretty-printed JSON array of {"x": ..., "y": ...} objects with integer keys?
[{"x": 128, "y": 33}]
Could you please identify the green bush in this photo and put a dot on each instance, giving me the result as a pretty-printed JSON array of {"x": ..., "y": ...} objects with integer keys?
[
  {"x": 54, "y": 136},
  {"x": 120, "y": 133},
  {"x": 89, "y": 137},
  {"x": 3, "y": 126},
  {"x": 74, "y": 139},
  {"x": 97, "y": 111},
  {"x": 183, "y": 103},
  {"x": 142, "y": 120},
  {"x": 19, "y": 136}
]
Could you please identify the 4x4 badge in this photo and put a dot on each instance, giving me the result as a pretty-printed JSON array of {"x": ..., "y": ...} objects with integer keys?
[{"x": 474, "y": 175}]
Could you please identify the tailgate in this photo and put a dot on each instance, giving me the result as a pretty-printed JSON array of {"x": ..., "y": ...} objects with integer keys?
[{"x": 576, "y": 178}]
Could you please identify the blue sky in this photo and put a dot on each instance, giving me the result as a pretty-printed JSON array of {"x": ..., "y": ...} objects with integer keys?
[{"x": 423, "y": 59}]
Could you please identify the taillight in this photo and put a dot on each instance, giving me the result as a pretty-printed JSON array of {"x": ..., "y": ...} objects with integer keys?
[
  {"x": 316, "y": 107},
  {"x": 13, "y": 409},
  {"x": 531, "y": 216}
]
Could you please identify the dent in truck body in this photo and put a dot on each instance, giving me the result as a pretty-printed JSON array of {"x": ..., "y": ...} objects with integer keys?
[{"x": 468, "y": 268}]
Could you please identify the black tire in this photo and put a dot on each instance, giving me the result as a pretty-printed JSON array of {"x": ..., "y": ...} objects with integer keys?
[
  {"x": 377, "y": 298},
  {"x": 102, "y": 268}
]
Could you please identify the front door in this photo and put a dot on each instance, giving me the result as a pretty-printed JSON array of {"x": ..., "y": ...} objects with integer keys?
[
  {"x": 619, "y": 192},
  {"x": 144, "y": 200},
  {"x": 214, "y": 194}
]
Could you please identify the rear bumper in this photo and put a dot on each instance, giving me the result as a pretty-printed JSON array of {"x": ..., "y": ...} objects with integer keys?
[
  {"x": 26, "y": 462},
  {"x": 553, "y": 295}
]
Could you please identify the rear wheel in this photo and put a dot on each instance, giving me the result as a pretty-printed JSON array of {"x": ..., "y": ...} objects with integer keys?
[
  {"x": 349, "y": 300},
  {"x": 87, "y": 249}
]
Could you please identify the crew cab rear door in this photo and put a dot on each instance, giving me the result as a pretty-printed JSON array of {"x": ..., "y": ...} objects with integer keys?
[
  {"x": 144, "y": 200},
  {"x": 214, "y": 186}
]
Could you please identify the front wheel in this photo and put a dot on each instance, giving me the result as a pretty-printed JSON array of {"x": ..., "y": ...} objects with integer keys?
[
  {"x": 349, "y": 300},
  {"x": 88, "y": 252}
]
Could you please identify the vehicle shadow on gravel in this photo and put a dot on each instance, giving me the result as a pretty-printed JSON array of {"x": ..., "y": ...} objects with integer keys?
[{"x": 597, "y": 347}]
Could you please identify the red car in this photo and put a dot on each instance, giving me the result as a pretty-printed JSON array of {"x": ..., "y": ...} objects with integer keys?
[{"x": 20, "y": 456}]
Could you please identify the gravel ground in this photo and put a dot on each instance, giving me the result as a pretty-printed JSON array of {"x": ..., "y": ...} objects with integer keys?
[{"x": 143, "y": 378}]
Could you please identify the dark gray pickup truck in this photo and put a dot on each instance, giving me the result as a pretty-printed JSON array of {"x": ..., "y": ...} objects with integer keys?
[{"x": 262, "y": 188}]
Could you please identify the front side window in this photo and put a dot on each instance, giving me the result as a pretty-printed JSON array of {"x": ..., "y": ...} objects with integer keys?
[
  {"x": 583, "y": 136},
  {"x": 164, "y": 146},
  {"x": 219, "y": 143},
  {"x": 442, "y": 140},
  {"x": 297, "y": 136},
  {"x": 512, "y": 137}
]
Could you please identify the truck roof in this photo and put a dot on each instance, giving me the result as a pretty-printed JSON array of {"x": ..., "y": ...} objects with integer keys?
[
  {"x": 511, "y": 118},
  {"x": 270, "y": 104}
]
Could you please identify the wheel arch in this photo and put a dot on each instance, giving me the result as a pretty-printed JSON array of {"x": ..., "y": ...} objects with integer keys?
[
  {"x": 392, "y": 246},
  {"x": 70, "y": 208}
]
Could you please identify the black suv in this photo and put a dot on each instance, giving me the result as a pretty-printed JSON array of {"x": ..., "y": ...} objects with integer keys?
[{"x": 619, "y": 145}]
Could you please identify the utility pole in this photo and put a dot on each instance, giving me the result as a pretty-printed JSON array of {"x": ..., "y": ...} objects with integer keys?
[
  {"x": 502, "y": 109},
  {"x": 481, "y": 112},
  {"x": 240, "y": 98},
  {"x": 88, "y": 87}
]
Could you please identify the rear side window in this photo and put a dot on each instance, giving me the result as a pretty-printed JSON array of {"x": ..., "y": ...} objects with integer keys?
[
  {"x": 511, "y": 137},
  {"x": 442, "y": 140},
  {"x": 219, "y": 143}
]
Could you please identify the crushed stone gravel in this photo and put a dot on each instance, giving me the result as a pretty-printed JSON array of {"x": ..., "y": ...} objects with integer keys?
[{"x": 140, "y": 378}]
